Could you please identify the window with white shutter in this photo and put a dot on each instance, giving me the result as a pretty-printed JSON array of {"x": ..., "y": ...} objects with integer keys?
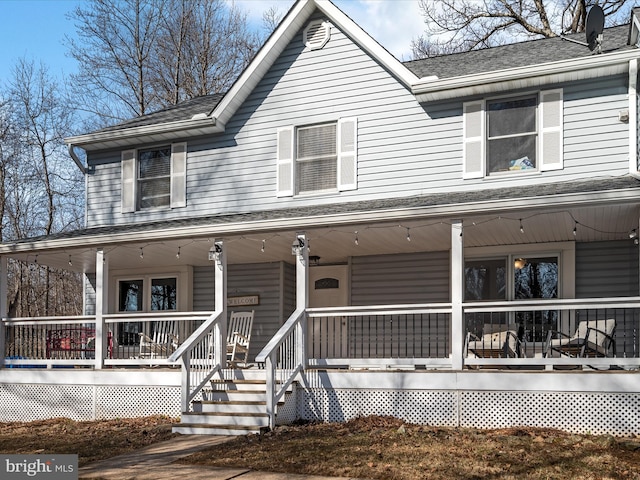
[
  {"x": 513, "y": 135},
  {"x": 317, "y": 158},
  {"x": 154, "y": 177}
]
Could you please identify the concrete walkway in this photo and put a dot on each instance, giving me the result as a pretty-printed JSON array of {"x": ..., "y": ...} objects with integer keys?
[{"x": 156, "y": 463}]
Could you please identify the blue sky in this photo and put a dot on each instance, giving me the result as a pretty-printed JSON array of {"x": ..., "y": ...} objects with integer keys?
[{"x": 35, "y": 29}]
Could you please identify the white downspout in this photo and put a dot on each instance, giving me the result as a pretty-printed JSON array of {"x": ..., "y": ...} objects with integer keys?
[{"x": 633, "y": 119}]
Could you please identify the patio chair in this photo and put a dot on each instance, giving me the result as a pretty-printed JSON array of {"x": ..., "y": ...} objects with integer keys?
[
  {"x": 238, "y": 338},
  {"x": 497, "y": 341},
  {"x": 593, "y": 338},
  {"x": 164, "y": 341}
]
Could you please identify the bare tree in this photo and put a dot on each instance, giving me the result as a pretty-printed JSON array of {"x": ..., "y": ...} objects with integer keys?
[
  {"x": 136, "y": 56},
  {"x": 463, "y": 25},
  {"x": 40, "y": 185},
  {"x": 114, "y": 49},
  {"x": 202, "y": 47}
]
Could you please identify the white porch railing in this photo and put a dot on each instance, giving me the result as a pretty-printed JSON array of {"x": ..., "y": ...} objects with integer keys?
[
  {"x": 380, "y": 335},
  {"x": 125, "y": 330},
  {"x": 284, "y": 359},
  {"x": 542, "y": 321},
  {"x": 46, "y": 342},
  {"x": 55, "y": 342}
]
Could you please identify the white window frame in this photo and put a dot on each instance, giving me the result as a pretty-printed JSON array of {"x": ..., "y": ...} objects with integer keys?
[
  {"x": 346, "y": 162},
  {"x": 183, "y": 276},
  {"x": 130, "y": 178},
  {"x": 549, "y": 127}
]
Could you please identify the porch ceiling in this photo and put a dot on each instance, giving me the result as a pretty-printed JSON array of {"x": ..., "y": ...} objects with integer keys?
[{"x": 336, "y": 244}]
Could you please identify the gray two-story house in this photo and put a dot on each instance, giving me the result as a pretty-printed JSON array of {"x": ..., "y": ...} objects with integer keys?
[{"x": 451, "y": 241}]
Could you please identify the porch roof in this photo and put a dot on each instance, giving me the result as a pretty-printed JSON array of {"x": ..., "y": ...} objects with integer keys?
[{"x": 601, "y": 192}]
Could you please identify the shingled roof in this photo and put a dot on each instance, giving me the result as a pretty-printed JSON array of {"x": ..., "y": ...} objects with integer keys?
[
  {"x": 520, "y": 54},
  {"x": 183, "y": 111},
  {"x": 446, "y": 66}
]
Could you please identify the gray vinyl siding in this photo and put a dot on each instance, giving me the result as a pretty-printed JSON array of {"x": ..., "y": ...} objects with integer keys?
[
  {"x": 400, "y": 279},
  {"x": 264, "y": 280},
  {"x": 610, "y": 269},
  {"x": 404, "y": 148},
  {"x": 89, "y": 294},
  {"x": 606, "y": 269}
]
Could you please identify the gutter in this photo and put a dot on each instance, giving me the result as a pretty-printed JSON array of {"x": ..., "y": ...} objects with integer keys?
[
  {"x": 633, "y": 119},
  {"x": 75, "y": 158},
  {"x": 134, "y": 133}
]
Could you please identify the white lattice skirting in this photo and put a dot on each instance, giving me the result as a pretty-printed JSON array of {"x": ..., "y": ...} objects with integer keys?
[
  {"x": 87, "y": 395},
  {"x": 615, "y": 414},
  {"x": 596, "y": 403},
  {"x": 24, "y": 403}
]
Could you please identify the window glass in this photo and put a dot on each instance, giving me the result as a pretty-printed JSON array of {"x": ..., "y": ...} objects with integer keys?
[
  {"x": 316, "y": 158},
  {"x": 163, "y": 294},
  {"x": 130, "y": 295},
  {"x": 511, "y": 135},
  {"x": 536, "y": 278},
  {"x": 485, "y": 280},
  {"x": 154, "y": 177},
  {"x": 130, "y": 299}
]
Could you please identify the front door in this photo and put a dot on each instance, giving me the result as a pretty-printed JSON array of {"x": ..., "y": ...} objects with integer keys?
[{"x": 328, "y": 287}]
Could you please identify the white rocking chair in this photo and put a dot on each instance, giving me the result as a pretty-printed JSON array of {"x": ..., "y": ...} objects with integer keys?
[
  {"x": 238, "y": 338},
  {"x": 164, "y": 341}
]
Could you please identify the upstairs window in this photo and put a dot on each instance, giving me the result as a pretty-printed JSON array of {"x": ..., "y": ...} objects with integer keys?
[
  {"x": 317, "y": 158},
  {"x": 154, "y": 178},
  {"x": 513, "y": 135}
]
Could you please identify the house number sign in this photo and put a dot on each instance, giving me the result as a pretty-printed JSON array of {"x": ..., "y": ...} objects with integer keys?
[{"x": 243, "y": 301}]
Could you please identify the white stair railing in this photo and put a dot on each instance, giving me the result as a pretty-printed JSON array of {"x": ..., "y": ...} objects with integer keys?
[
  {"x": 201, "y": 356},
  {"x": 284, "y": 359}
]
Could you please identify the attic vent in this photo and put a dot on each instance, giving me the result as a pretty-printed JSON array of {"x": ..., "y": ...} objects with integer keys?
[{"x": 317, "y": 34}]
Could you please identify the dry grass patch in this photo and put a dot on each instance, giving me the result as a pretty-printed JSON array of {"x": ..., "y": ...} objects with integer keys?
[
  {"x": 386, "y": 448},
  {"x": 92, "y": 441}
]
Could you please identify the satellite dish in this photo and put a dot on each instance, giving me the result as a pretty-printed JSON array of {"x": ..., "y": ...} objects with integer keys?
[{"x": 595, "y": 26}]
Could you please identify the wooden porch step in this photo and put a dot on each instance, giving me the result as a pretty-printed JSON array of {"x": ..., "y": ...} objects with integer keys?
[
  {"x": 233, "y": 406},
  {"x": 244, "y": 419},
  {"x": 214, "y": 429}
]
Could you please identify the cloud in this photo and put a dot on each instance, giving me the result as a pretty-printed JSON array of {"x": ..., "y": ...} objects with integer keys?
[{"x": 392, "y": 23}]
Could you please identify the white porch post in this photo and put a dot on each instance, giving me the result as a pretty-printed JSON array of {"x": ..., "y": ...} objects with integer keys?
[
  {"x": 4, "y": 278},
  {"x": 102, "y": 287},
  {"x": 302, "y": 296},
  {"x": 457, "y": 292},
  {"x": 220, "y": 301}
]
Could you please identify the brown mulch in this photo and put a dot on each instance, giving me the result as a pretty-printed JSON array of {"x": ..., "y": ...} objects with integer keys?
[
  {"x": 368, "y": 447},
  {"x": 387, "y": 448},
  {"x": 92, "y": 441}
]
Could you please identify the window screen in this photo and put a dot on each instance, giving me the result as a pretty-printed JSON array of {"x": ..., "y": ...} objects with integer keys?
[
  {"x": 316, "y": 158},
  {"x": 511, "y": 134},
  {"x": 154, "y": 177}
]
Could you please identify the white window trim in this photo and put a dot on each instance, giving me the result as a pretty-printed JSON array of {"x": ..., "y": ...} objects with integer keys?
[
  {"x": 178, "y": 177},
  {"x": 549, "y": 141},
  {"x": 346, "y": 163},
  {"x": 565, "y": 251},
  {"x": 184, "y": 280}
]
